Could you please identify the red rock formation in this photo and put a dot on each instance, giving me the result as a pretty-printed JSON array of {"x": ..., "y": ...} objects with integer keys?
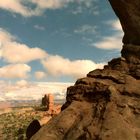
[
  {"x": 45, "y": 100},
  {"x": 51, "y": 103}
]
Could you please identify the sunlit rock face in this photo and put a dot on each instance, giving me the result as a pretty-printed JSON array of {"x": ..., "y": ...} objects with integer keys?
[{"x": 105, "y": 105}]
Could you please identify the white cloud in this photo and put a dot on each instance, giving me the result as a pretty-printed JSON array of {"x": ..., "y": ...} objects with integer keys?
[
  {"x": 115, "y": 24},
  {"x": 86, "y": 29},
  {"x": 58, "y": 66},
  {"x": 39, "y": 27},
  {"x": 17, "y": 6},
  {"x": 55, "y": 4},
  {"x": 34, "y": 90},
  {"x": 2, "y": 99},
  {"x": 22, "y": 83},
  {"x": 50, "y": 4},
  {"x": 20, "y": 7},
  {"x": 40, "y": 75},
  {"x": 15, "y": 52},
  {"x": 15, "y": 71},
  {"x": 5, "y": 36},
  {"x": 84, "y": 5},
  {"x": 111, "y": 42}
]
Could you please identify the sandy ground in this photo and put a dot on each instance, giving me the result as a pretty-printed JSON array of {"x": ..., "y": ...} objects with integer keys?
[{"x": 44, "y": 120}]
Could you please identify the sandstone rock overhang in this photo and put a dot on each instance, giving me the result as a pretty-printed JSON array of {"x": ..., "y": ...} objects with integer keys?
[{"x": 128, "y": 11}]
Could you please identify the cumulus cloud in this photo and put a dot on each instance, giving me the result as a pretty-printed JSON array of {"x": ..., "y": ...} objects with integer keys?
[
  {"x": 22, "y": 7},
  {"x": 110, "y": 42},
  {"x": 34, "y": 91},
  {"x": 15, "y": 71},
  {"x": 22, "y": 83},
  {"x": 115, "y": 24},
  {"x": 40, "y": 75},
  {"x": 113, "y": 41},
  {"x": 5, "y": 36},
  {"x": 15, "y": 52},
  {"x": 58, "y": 66}
]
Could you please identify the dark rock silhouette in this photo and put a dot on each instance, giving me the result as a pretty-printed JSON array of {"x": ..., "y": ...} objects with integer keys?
[
  {"x": 45, "y": 100},
  {"x": 32, "y": 129},
  {"x": 129, "y": 15},
  {"x": 105, "y": 105}
]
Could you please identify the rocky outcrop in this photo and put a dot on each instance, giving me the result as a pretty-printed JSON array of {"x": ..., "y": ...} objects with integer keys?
[
  {"x": 105, "y": 105},
  {"x": 129, "y": 15},
  {"x": 45, "y": 100},
  {"x": 32, "y": 129},
  {"x": 48, "y": 101},
  {"x": 51, "y": 103}
]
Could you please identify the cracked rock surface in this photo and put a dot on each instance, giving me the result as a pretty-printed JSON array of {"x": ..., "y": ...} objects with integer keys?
[{"x": 105, "y": 105}]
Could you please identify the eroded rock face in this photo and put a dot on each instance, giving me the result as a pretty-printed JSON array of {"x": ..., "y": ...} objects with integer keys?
[
  {"x": 129, "y": 15},
  {"x": 32, "y": 129},
  {"x": 105, "y": 105}
]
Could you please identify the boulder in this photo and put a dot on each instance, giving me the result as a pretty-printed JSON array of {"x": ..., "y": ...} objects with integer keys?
[{"x": 33, "y": 127}]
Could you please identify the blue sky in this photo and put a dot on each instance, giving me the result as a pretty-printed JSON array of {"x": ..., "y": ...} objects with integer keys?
[{"x": 56, "y": 40}]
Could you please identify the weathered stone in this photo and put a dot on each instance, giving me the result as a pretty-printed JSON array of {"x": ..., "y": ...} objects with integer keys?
[
  {"x": 33, "y": 127},
  {"x": 131, "y": 53},
  {"x": 98, "y": 107},
  {"x": 129, "y": 15}
]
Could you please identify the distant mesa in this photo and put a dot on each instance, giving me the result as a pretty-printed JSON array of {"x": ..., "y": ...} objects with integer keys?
[{"x": 48, "y": 102}]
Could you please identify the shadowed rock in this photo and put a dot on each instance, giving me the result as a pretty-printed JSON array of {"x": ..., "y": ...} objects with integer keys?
[
  {"x": 129, "y": 15},
  {"x": 45, "y": 100},
  {"x": 32, "y": 129}
]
